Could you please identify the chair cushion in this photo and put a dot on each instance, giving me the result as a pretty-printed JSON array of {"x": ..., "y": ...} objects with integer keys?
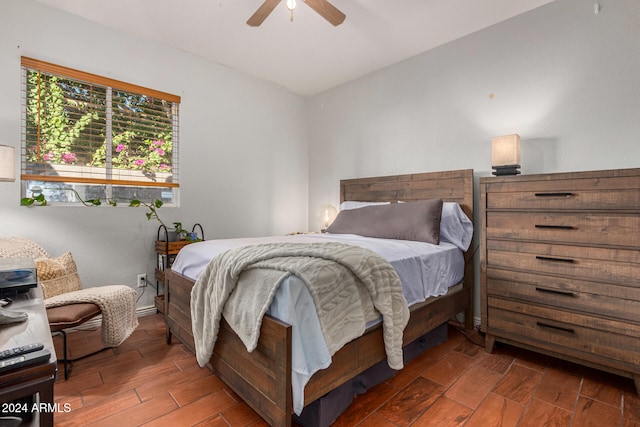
[
  {"x": 58, "y": 275},
  {"x": 68, "y": 316}
]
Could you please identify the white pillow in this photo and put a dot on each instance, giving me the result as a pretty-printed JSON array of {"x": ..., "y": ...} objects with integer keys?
[
  {"x": 455, "y": 226},
  {"x": 349, "y": 204}
]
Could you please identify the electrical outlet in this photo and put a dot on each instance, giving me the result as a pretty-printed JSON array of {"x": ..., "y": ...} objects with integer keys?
[{"x": 142, "y": 280}]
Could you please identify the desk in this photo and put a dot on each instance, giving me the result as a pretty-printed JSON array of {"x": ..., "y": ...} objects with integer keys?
[{"x": 35, "y": 379}]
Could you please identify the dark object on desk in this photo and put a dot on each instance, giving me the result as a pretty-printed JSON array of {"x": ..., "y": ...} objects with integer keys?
[
  {"x": 24, "y": 360},
  {"x": 23, "y": 349},
  {"x": 17, "y": 275}
]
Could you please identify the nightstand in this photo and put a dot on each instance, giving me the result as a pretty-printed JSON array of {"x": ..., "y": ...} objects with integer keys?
[{"x": 166, "y": 252}]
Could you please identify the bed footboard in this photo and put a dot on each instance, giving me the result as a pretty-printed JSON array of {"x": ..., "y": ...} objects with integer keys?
[{"x": 261, "y": 378}]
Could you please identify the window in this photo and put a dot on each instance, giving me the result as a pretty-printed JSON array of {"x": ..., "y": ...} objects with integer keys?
[{"x": 97, "y": 138}]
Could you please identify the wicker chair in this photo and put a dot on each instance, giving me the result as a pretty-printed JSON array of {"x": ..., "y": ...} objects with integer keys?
[{"x": 61, "y": 317}]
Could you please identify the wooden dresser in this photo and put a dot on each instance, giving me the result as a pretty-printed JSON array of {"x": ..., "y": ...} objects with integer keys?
[{"x": 560, "y": 266}]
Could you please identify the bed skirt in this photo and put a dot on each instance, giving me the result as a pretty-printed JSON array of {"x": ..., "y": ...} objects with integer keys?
[{"x": 324, "y": 411}]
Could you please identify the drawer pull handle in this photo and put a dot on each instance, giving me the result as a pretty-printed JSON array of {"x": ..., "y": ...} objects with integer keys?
[
  {"x": 559, "y": 328},
  {"x": 555, "y": 227},
  {"x": 548, "y": 258},
  {"x": 563, "y": 194},
  {"x": 556, "y": 291}
]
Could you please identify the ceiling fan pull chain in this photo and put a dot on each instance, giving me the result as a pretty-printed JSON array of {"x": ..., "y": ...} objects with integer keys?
[{"x": 291, "y": 5}]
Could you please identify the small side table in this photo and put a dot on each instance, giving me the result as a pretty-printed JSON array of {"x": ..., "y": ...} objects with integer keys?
[
  {"x": 166, "y": 252},
  {"x": 34, "y": 380}
]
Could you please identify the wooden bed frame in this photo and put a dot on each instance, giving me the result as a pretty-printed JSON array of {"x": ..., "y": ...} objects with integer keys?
[{"x": 263, "y": 378}]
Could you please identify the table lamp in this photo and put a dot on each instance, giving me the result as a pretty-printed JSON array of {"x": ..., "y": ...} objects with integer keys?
[
  {"x": 7, "y": 163},
  {"x": 505, "y": 155}
]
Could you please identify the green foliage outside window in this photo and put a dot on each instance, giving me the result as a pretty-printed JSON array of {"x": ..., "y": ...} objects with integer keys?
[{"x": 66, "y": 124}]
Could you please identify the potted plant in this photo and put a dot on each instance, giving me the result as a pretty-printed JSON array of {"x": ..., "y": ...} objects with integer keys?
[{"x": 189, "y": 236}]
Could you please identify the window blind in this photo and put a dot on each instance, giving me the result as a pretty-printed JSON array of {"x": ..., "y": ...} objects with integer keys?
[{"x": 81, "y": 129}]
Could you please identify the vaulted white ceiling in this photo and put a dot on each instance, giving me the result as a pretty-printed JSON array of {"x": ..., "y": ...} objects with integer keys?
[{"x": 307, "y": 55}]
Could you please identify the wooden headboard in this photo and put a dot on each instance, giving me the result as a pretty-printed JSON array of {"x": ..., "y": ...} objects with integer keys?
[{"x": 450, "y": 186}]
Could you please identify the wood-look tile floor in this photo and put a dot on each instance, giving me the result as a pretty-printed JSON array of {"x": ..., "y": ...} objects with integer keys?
[{"x": 147, "y": 382}]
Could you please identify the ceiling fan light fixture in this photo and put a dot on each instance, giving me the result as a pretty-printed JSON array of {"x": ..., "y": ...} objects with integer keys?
[
  {"x": 291, "y": 5},
  {"x": 322, "y": 7}
]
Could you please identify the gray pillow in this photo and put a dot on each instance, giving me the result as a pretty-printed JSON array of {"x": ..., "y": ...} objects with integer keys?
[{"x": 418, "y": 221}]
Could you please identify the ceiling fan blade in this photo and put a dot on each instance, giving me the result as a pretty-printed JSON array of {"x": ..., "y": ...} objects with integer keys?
[
  {"x": 263, "y": 11},
  {"x": 327, "y": 11}
]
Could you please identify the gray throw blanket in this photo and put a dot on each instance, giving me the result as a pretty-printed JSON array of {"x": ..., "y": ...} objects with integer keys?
[{"x": 345, "y": 281}]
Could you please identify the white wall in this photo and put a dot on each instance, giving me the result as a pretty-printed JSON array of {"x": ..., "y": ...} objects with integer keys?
[
  {"x": 565, "y": 79},
  {"x": 236, "y": 133}
]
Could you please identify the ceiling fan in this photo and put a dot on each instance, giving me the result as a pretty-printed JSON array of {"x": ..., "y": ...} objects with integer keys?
[{"x": 322, "y": 7}]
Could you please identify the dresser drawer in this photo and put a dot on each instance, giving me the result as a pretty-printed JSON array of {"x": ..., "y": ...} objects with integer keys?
[
  {"x": 565, "y": 200},
  {"x": 587, "y": 193},
  {"x": 615, "y": 266},
  {"x": 591, "y": 228},
  {"x": 601, "y": 299},
  {"x": 599, "y": 340}
]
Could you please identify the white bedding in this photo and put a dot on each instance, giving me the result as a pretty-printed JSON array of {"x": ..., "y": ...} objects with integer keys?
[{"x": 424, "y": 269}]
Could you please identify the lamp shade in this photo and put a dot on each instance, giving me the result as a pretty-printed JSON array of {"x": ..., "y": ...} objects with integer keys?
[
  {"x": 505, "y": 150},
  {"x": 505, "y": 154},
  {"x": 7, "y": 163}
]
